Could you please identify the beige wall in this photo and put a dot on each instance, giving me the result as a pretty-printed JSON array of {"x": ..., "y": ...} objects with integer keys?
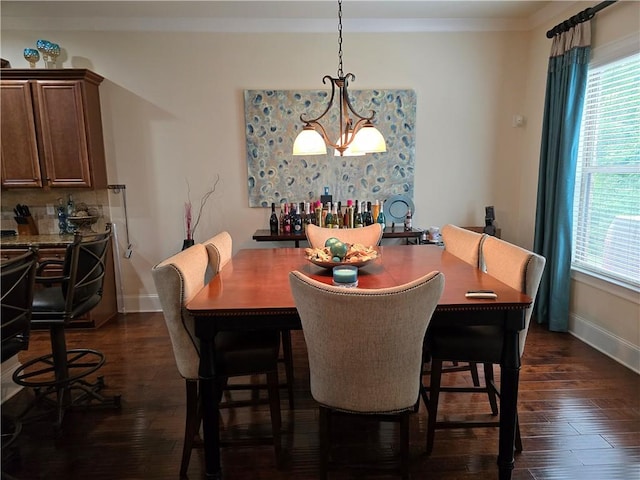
[{"x": 173, "y": 111}]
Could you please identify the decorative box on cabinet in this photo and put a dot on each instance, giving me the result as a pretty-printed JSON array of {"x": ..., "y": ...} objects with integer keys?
[{"x": 51, "y": 129}]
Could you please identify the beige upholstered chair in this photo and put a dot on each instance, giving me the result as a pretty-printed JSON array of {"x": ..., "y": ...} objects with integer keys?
[
  {"x": 368, "y": 236},
  {"x": 462, "y": 243},
  {"x": 365, "y": 349},
  {"x": 178, "y": 279},
  {"x": 465, "y": 245},
  {"x": 518, "y": 268},
  {"x": 220, "y": 250}
]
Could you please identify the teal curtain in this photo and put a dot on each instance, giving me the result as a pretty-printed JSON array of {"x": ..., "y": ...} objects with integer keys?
[{"x": 566, "y": 85}]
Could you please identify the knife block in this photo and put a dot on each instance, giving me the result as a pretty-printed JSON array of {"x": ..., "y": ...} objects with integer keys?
[{"x": 29, "y": 228}]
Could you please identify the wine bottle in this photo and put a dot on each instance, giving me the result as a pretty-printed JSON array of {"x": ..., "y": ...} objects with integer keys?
[
  {"x": 335, "y": 217},
  {"x": 381, "y": 219},
  {"x": 358, "y": 220},
  {"x": 273, "y": 220},
  {"x": 71, "y": 206},
  {"x": 367, "y": 219},
  {"x": 347, "y": 222},
  {"x": 296, "y": 221},
  {"x": 328, "y": 219},
  {"x": 281, "y": 218},
  {"x": 340, "y": 216},
  {"x": 62, "y": 217},
  {"x": 309, "y": 218},
  {"x": 408, "y": 221},
  {"x": 287, "y": 220},
  {"x": 375, "y": 210},
  {"x": 318, "y": 210}
]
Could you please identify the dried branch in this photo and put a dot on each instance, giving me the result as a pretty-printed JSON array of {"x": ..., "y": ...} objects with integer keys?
[{"x": 203, "y": 201}]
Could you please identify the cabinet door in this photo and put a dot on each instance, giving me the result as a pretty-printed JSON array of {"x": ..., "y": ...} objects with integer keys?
[
  {"x": 19, "y": 148},
  {"x": 60, "y": 120}
]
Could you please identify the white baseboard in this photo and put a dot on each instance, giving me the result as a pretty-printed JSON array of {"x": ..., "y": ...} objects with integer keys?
[
  {"x": 606, "y": 342},
  {"x": 7, "y": 386},
  {"x": 141, "y": 303}
]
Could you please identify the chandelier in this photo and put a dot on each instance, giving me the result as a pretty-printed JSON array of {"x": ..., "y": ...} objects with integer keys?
[{"x": 357, "y": 134}]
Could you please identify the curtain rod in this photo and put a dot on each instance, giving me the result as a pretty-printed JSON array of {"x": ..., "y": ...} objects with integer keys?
[{"x": 583, "y": 16}]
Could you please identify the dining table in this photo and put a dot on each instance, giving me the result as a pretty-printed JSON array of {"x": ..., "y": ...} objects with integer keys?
[{"x": 252, "y": 292}]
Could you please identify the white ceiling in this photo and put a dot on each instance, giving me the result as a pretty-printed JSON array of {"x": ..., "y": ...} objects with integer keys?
[{"x": 283, "y": 15}]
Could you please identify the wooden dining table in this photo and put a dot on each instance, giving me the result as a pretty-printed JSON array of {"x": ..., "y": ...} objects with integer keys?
[{"x": 252, "y": 292}]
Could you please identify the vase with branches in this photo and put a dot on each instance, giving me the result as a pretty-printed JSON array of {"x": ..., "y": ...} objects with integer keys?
[{"x": 190, "y": 224}]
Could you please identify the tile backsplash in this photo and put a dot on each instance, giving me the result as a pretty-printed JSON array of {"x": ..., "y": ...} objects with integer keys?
[{"x": 42, "y": 206}]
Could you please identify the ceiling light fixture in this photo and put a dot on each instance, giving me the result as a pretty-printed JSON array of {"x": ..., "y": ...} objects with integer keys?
[{"x": 357, "y": 138}]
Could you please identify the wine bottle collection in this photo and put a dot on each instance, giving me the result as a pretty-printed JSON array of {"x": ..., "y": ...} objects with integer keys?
[{"x": 294, "y": 217}]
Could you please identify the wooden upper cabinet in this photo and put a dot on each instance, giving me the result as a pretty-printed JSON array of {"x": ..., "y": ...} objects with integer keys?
[
  {"x": 19, "y": 150},
  {"x": 52, "y": 129}
]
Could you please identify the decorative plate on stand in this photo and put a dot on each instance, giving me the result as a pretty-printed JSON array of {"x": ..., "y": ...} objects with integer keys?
[{"x": 396, "y": 207}]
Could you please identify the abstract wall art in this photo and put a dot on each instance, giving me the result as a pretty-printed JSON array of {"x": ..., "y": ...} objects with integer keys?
[{"x": 274, "y": 175}]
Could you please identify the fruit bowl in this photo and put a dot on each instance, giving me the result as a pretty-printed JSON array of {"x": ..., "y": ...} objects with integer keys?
[
  {"x": 82, "y": 223},
  {"x": 330, "y": 264},
  {"x": 355, "y": 255}
]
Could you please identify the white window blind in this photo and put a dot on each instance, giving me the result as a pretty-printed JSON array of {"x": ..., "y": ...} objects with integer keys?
[{"x": 606, "y": 222}]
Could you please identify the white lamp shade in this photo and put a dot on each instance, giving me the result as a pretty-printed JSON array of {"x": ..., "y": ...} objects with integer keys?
[
  {"x": 309, "y": 142},
  {"x": 351, "y": 151},
  {"x": 369, "y": 140}
]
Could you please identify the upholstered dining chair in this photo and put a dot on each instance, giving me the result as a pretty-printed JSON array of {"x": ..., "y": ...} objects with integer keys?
[
  {"x": 465, "y": 245},
  {"x": 514, "y": 266},
  {"x": 220, "y": 249},
  {"x": 17, "y": 280},
  {"x": 365, "y": 350},
  {"x": 462, "y": 243},
  {"x": 177, "y": 280},
  {"x": 368, "y": 236},
  {"x": 63, "y": 373}
]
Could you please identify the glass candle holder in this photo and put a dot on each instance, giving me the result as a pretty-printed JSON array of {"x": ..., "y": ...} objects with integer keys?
[
  {"x": 53, "y": 51},
  {"x": 345, "y": 276},
  {"x": 31, "y": 55},
  {"x": 42, "y": 46}
]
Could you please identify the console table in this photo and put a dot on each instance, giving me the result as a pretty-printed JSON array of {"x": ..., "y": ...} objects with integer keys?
[{"x": 389, "y": 232}]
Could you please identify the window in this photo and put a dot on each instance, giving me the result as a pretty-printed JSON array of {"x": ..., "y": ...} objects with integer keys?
[{"x": 606, "y": 224}]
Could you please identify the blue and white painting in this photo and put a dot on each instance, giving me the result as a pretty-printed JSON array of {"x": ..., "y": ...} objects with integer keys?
[{"x": 275, "y": 175}]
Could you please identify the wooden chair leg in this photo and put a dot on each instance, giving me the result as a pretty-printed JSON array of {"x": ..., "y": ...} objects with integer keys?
[
  {"x": 287, "y": 351},
  {"x": 518, "y": 437},
  {"x": 325, "y": 432},
  {"x": 192, "y": 424},
  {"x": 274, "y": 407},
  {"x": 434, "y": 394},
  {"x": 473, "y": 368},
  {"x": 404, "y": 445},
  {"x": 491, "y": 388}
]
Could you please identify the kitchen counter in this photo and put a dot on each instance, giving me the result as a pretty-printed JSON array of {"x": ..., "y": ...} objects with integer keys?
[{"x": 23, "y": 241}]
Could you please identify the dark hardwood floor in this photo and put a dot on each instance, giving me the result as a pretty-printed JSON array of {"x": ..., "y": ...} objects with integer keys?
[{"x": 579, "y": 414}]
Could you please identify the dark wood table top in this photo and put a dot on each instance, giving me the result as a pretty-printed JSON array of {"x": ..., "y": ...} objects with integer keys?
[{"x": 256, "y": 281}]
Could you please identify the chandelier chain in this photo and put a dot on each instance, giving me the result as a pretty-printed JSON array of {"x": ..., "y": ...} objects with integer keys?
[{"x": 340, "y": 72}]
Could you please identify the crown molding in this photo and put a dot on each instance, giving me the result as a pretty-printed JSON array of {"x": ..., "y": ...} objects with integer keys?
[{"x": 282, "y": 16}]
